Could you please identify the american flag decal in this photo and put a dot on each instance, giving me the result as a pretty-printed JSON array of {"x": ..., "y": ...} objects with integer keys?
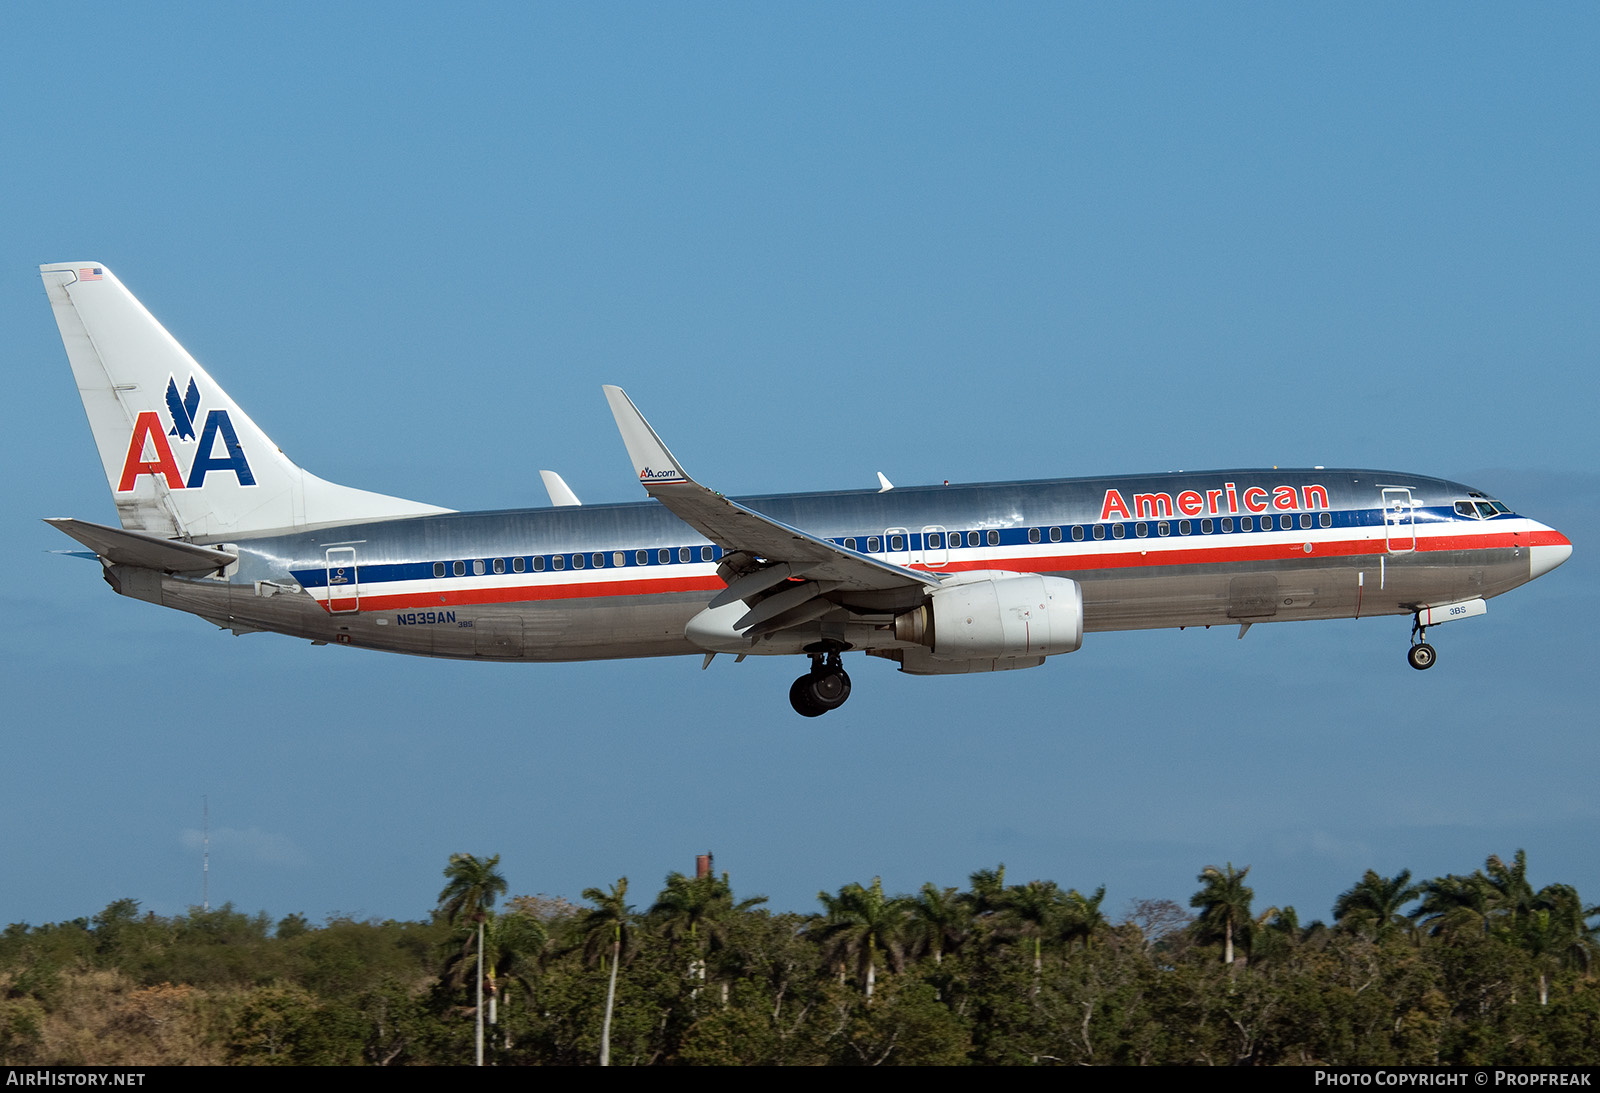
[{"x": 92, "y": 273}]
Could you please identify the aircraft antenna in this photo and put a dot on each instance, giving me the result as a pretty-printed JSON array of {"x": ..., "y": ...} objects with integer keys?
[{"x": 205, "y": 853}]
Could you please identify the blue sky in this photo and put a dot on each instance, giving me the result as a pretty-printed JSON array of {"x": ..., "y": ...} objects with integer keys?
[{"x": 813, "y": 242}]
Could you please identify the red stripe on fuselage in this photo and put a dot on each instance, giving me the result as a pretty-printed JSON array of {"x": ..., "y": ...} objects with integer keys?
[
  {"x": 1047, "y": 563},
  {"x": 533, "y": 593}
]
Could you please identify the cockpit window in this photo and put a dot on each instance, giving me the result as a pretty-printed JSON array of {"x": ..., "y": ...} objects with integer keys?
[{"x": 1481, "y": 510}]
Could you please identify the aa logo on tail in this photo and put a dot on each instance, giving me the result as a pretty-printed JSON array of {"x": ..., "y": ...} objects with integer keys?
[
  {"x": 150, "y": 435},
  {"x": 182, "y": 410}
]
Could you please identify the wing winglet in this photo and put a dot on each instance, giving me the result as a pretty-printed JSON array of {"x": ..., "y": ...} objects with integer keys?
[
  {"x": 735, "y": 528},
  {"x": 561, "y": 494},
  {"x": 651, "y": 460}
]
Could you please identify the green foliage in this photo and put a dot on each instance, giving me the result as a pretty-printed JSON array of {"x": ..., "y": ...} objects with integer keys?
[{"x": 1486, "y": 969}]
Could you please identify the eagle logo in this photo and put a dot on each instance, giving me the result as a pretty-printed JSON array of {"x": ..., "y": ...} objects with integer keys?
[{"x": 182, "y": 409}]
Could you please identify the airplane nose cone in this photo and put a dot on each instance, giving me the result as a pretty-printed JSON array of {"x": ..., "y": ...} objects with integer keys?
[{"x": 1553, "y": 549}]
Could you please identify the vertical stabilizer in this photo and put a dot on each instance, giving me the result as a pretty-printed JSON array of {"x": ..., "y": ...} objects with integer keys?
[{"x": 180, "y": 456}]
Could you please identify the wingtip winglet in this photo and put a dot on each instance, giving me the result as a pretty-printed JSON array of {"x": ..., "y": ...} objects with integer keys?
[{"x": 652, "y": 462}]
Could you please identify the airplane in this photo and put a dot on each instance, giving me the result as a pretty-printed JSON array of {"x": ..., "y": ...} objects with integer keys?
[{"x": 215, "y": 520}]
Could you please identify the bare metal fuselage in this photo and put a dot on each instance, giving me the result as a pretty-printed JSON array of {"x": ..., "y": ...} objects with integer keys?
[{"x": 604, "y": 581}]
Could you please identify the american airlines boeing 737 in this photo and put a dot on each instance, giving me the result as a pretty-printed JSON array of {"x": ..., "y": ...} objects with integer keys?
[{"x": 217, "y": 521}]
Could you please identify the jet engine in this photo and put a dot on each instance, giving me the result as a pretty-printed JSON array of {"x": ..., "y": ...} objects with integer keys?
[{"x": 998, "y": 617}]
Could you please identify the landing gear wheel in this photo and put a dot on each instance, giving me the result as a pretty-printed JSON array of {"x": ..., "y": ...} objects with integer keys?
[
  {"x": 815, "y": 693},
  {"x": 800, "y": 698},
  {"x": 1422, "y": 656},
  {"x": 823, "y": 688}
]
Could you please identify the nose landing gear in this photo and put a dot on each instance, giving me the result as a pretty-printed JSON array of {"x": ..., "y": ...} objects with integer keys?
[
  {"x": 823, "y": 688},
  {"x": 1421, "y": 654}
]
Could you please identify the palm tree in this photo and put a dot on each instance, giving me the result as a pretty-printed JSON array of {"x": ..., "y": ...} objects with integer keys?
[
  {"x": 1031, "y": 911},
  {"x": 698, "y": 910},
  {"x": 860, "y": 923},
  {"x": 1224, "y": 905},
  {"x": 1372, "y": 906},
  {"x": 1455, "y": 905},
  {"x": 607, "y": 927},
  {"x": 939, "y": 920},
  {"x": 475, "y": 883},
  {"x": 987, "y": 891},
  {"x": 1082, "y": 918},
  {"x": 473, "y": 886}
]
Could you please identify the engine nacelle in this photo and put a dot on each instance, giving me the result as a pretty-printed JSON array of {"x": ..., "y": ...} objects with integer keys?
[{"x": 1002, "y": 617}]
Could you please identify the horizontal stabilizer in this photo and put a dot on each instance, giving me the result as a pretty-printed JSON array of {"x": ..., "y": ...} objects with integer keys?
[{"x": 137, "y": 548}]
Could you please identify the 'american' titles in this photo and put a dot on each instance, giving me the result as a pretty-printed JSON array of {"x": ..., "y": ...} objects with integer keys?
[{"x": 1227, "y": 501}]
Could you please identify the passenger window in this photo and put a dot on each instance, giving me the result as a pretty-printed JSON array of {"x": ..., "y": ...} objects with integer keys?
[
  {"x": 459, "y": 569},
  {"x": 872, "y": 544},
  {"x": 1099, "y": 531},
  {"x": 935, "y": 540},
  {"x": 850, "y": 544},
  {"x": 538, "y": 564},
  {"x": 619, "y": 558},
  {"x": 972, "y": 538},
  {"x": 599, "y": 560},
  {"x": 558, "y": 561},
  {"x": 1163, "y": 528},
  {"x": 1326, "y": 519},
  {"x": 499, "y": 565},
  {"x": 897, "y": 542},
  {"x": 1286, "y": 522},
  {"x": 1184, "y": 527},
  {"x": 577, "y": 561},
  {"x": 1247, "y": 523},
  {"x": 1205, "y": 526},
  {"x": 438, "y": 569},
  {"x": 1227, "y": 523},
  {"x": 663, "y": 555},
  {"x": 705, "y": 554},
  {"x": 641, "y": 557},
  {"x": 1055, "y": 535},
  {"x": 1033, "y": 535},
  {"x": 994, "y": 538},
  {"x": 1305, "y": 519},
  {"x": 1118, "y": 531},
  {"x": 1077, "y": 533},
  {"x": 1141, "y": 529},
  {"x": 518, "y": 565},
  {"x": 477, "y": 567}
]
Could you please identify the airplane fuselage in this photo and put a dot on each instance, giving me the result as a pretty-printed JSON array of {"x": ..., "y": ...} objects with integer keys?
[{"x": 624, "y": 580}]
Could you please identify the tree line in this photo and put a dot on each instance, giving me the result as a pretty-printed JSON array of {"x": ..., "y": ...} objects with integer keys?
[{"x": 1476, "y": 968}]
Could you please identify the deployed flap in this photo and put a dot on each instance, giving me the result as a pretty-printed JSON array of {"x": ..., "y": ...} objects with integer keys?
[
  {"x": 735, "y": 528},
  {"x": 138, "y": 548}
]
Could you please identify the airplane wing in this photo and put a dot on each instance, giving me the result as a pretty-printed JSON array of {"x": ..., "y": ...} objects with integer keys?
[{"x": 766, "y": 553}]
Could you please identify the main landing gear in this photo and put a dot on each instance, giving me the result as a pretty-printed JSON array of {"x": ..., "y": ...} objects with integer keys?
[
  {"x": 823, "y": 688},
  {"x": 1421, "y": 654}
]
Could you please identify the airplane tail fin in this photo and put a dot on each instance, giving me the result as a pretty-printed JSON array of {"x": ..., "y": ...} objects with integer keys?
[{"x": 182, "y": 459}]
